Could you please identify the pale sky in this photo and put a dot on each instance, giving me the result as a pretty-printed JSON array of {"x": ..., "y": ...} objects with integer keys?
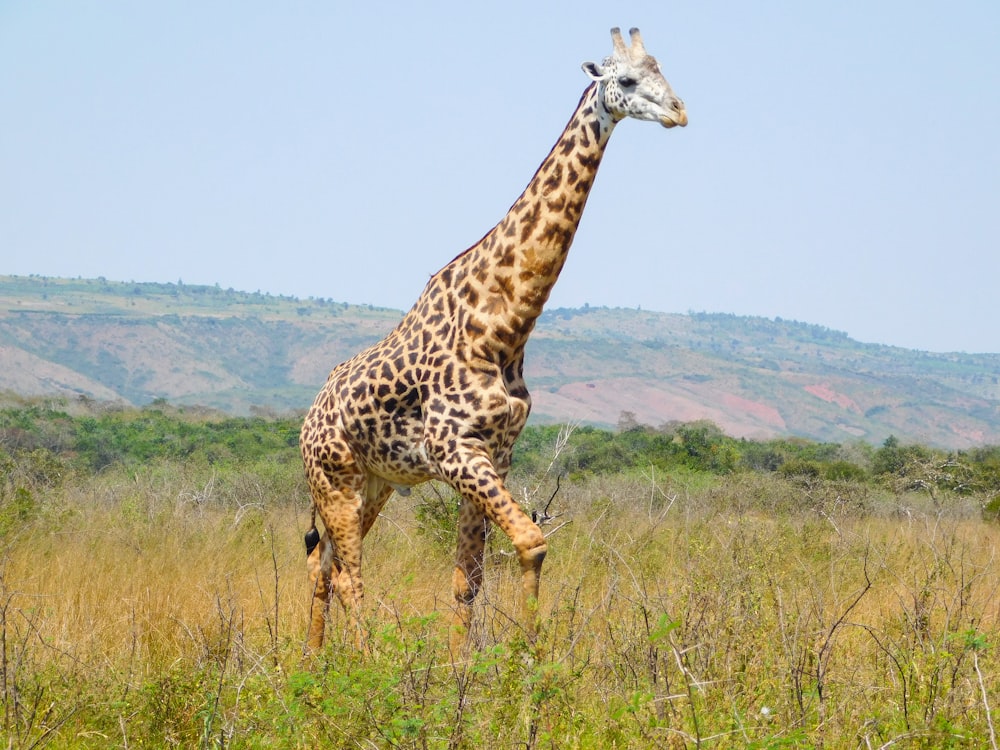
[{"x": 841, "y": 166}]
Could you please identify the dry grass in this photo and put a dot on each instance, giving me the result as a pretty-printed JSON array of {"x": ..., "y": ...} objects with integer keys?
[{"x": 168, "y": 609}]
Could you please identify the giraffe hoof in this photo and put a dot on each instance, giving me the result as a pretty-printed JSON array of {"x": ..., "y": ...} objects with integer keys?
[{"x": 312, "y": 539}]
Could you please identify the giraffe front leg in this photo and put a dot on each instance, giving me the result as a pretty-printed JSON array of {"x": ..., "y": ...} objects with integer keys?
[
  {"x": 529, "y": 543},
  {"x": 480, "y": 485},
  {"x": 468, "y": 576},
  {"x": 531, "y": 556}
]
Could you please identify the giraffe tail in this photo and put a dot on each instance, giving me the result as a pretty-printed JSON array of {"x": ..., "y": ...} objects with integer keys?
[{"x": 312, "y": 536}]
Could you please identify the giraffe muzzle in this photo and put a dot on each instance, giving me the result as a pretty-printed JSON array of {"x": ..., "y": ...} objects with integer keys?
[{"x": 678, "y": 119}]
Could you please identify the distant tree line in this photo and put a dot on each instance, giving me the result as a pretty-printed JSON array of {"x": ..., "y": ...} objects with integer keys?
[
  {"x": 133, "y": 437},
  {"x": 40, "y": 443},
  {"x": 702, "y": 447}
]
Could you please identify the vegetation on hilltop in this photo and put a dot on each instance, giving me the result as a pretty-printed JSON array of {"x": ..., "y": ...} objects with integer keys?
[{"x": 100, "y": 294}]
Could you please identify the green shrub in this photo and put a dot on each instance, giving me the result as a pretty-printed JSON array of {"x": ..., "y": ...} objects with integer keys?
[
  {"x": 800, "y": 468},
  {"x": 844, "y": 471}
]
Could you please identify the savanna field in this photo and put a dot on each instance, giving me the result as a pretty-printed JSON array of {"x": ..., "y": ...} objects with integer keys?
[{"x": 699, "y": 591}]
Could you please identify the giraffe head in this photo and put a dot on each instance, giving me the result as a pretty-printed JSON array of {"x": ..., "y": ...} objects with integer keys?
[{"x": 631, "y": 84}]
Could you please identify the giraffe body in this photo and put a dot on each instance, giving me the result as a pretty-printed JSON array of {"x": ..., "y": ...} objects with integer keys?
[{"x": 443, "y": 395}]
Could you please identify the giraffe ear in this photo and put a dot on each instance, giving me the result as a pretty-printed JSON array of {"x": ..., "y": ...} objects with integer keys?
[{"x": 595, "y": 71}]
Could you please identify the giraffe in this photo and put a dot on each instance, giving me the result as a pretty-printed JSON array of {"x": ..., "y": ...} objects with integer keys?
[{"x": 443, "y": 396}]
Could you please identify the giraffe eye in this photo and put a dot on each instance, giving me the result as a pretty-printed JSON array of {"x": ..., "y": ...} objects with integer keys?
[{"x": 626, "y": 82}]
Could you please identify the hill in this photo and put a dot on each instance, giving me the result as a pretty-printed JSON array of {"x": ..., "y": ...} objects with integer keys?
[{"x": 241, "y": 352}]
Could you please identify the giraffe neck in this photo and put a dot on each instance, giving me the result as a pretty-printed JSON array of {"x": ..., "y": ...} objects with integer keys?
[{"x": 505, "y": 279}]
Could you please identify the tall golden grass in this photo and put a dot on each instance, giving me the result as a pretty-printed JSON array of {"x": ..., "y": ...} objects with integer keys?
[{"x": 167, "y": 608}]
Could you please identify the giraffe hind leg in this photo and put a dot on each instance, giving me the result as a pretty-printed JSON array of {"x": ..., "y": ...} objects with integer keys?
[
  {"x": 320, "y": 562},
  {"x": 341, "y": 507},
  {"x": 348, "y": 501},
  {"x": 468, "y": 576}
]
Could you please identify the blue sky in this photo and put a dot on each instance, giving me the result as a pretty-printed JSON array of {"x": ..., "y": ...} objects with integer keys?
[{"x": 841, "y": 166}]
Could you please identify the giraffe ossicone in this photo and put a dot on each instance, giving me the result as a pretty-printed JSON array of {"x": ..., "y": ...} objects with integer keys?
[{"x": 443, "y": 395}]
